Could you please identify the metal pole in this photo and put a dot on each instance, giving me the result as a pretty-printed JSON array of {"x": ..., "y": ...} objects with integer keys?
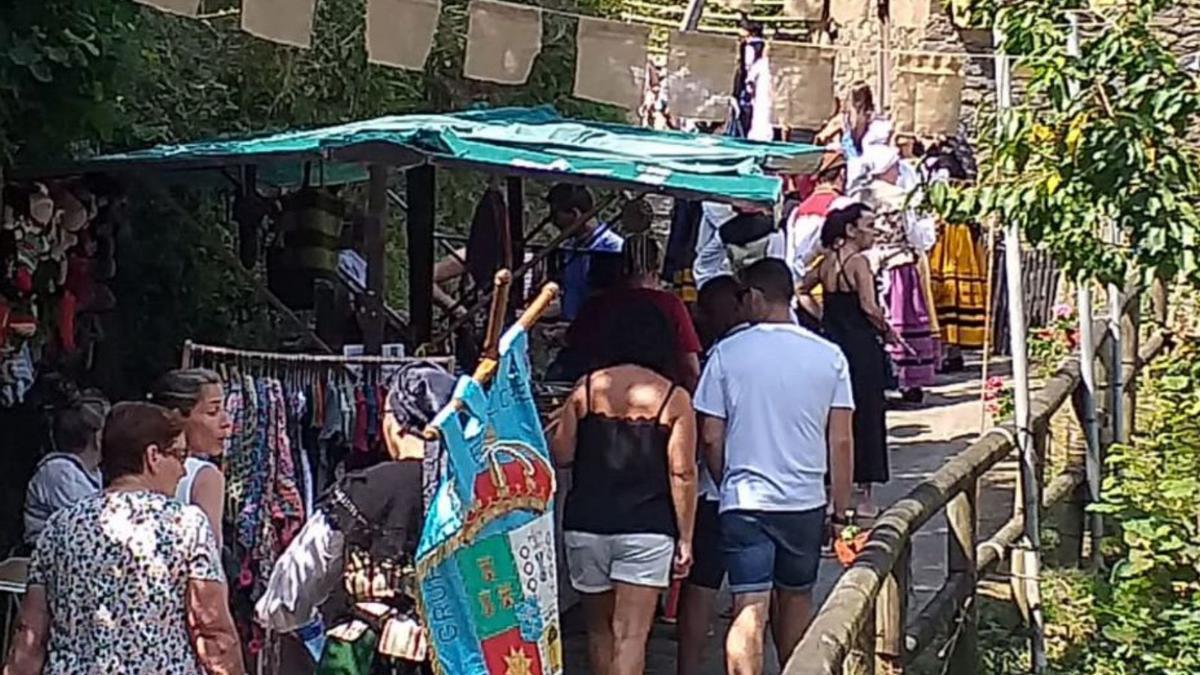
[
  {"x": 1116, "y": 379},
  {"x": 1031, "y": 546},
  {"x": 1087, "y": 357},
  {"x": 691, "y": 16}
]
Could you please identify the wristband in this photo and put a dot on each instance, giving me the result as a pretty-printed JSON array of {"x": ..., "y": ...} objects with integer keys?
[{"x": 847, "y": 518}]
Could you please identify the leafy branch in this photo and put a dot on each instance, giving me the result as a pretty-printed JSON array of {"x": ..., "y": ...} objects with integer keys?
[{"x": 1099, "y": 144}]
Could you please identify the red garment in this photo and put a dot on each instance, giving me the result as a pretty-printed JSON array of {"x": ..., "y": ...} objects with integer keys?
[
  {"x": 590, "y": 327},
  {"x": 360, "y": 421},
  {"x": 66, "y": 321},
  {"x": 817, "y": 204}
]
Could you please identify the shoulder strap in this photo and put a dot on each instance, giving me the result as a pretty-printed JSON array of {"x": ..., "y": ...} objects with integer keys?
[
  {"x": 587, "y": 394},
  {"x": 666, "y": 401},
  {"x": 841, "y": 266}
]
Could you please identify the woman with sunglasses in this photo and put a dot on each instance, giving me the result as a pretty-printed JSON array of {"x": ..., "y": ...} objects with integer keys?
[
  {"x": 128, "y": 580},
  {"x": 853, "y": 319}
]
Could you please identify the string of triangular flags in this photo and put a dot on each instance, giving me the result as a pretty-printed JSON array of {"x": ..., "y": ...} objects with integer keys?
[{"x": 504, "y": 39}]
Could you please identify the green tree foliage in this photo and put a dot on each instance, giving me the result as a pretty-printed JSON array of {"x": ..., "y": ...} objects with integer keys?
[
  {"x": 83, "y": 76},
  {"x": 62, "y": 64},
  {"x": 1067, "y": 167}
]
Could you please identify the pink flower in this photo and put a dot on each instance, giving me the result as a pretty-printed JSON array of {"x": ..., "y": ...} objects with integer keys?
[
  {"x": 995, "y": 382},
  {"x": 1063, "y": 311}
]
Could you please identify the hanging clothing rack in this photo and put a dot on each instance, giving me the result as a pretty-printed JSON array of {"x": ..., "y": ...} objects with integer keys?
[{"x": 192, "y": 350}]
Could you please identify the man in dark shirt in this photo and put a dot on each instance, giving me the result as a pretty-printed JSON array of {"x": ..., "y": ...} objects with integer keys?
[{"x": 639, "y": 281}]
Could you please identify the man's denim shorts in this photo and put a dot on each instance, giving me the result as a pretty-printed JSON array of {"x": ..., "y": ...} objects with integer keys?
[{"x": 772, "y": 549}]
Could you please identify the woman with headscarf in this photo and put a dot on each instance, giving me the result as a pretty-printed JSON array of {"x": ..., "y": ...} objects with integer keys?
[{"x": 351, "y": 564}]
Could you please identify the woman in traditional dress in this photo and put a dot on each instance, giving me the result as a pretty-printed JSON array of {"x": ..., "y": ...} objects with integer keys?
[
  {"x": 905, "y": 237},
  {"x": 852, "y": 318},
  {"x": 959, "y": 273}
]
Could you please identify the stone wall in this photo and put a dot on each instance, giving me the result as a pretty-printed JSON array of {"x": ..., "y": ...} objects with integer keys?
[{"x": 859, "y": 58}]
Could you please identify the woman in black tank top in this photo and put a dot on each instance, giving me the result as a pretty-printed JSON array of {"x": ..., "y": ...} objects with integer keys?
[
  {"x": 629, "y": 436},
  {"x": 851, "y": 318}
]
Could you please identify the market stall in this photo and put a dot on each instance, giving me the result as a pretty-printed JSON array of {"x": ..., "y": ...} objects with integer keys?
[{"x": 306, "y": 171}]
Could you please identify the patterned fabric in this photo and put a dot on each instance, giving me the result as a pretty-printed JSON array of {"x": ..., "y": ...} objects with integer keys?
[
  {"x": 486, "y": 561},
  {"x": 959, "y": 287},
  {"x": 909, "y": 315},
  {"x": 115, "y": 568}
]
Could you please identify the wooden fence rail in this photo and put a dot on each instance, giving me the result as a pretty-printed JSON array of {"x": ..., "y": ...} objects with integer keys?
[{"x": 864, "y": 626}]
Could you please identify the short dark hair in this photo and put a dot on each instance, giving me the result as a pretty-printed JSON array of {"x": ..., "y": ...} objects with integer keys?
[
  {"x": 722, "y": 284},
  {"x": 179, "y": 390},
  {"x": 75, "y": 427},
  {"x": 773, "y": 277},
  {"x": 568, "y": 196},
  {"x": 130, "y": 429},
  {"x": 640, "y": 335},
  {"x": 838, "y": 220}
]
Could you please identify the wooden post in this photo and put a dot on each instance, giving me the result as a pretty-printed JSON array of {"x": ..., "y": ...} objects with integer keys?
[
  {"x": 1131, "y": 325},
  {"x": 516, "y": 229},
  {"x": 375, "y": 238},
  {"x": 421, "y": 190},
  {"x": 1158, "y": 302},
  {"x": 891, "y": 614},
  {"x": 861, "y": 659},
  {"x": 961, "y": 515}
]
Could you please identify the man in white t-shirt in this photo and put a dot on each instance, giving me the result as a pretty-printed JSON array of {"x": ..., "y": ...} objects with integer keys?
[{"x": 777, "y": 411}]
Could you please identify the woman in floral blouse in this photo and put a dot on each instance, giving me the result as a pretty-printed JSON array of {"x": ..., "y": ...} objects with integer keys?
[{"x": 130, "y": 580}]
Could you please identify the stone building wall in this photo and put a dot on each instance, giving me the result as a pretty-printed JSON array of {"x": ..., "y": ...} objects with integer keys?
[{"x": 858, "y": 58}]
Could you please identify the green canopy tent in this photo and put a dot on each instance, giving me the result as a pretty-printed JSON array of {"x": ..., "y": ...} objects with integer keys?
[
  {"x": 513, "y": 142},
  {"x": 533, "y": 142}
]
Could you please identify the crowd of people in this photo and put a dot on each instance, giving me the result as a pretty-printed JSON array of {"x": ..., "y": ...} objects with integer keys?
[
  {"x": 725, "y": 442},
  {"x": 805, "y": 331}
]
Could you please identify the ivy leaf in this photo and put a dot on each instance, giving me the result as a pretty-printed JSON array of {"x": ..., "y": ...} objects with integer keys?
[
  {"x": 41, "y": 72},
  {"x": 23, "y": 54}
]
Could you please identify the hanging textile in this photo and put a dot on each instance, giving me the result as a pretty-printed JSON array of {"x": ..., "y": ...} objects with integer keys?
[
  {"x": 503, "y": 39},
  {"x": 610, "y": 62},
  {"x": 849, "y": 11},
  {"x": 908, "y": 13},
  {"x": 803, "y": 83},
  {"x": 700, "y": 69},
  {"x": 288, "y": 22},
  {"x": 486, "y": 562},
  {"x": 180, "y": 7},
  {"x": 297, "y": 421},
  {"x": 400, "y": 33},
  {"x": 805, "y": 10},
  {"x": 927, "y": 96}
]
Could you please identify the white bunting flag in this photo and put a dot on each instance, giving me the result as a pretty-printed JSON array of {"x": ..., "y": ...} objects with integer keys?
[
  {"x": 503, "y": 39},
  {"x": 610, "y": 62},
  {"x": 927, "y": 94},
  {"x": 288, "y": 22},
  {"x": 802, "y": 79},
  {"x": 400, "y": 32},
  {"x": 700, "y": 69},
  {"x": 849, "y": 11},
  {"x": 180, "y": 7},
  {"x": 805, "y": 10},
  {"x": 909, "y": 13}
]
